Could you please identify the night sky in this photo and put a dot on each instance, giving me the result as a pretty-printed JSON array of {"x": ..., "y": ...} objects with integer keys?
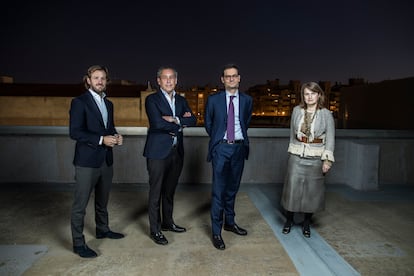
[{"x": 288, "y": 40}]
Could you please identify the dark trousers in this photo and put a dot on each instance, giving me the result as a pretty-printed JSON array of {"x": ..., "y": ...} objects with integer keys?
[
  {"x": 228, "y": 164},
  {"x": 163, "y": 180},
  {"x": 88, "y": 179}
]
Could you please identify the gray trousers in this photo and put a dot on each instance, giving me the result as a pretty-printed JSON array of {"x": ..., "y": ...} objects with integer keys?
[{"x": 87, "y": 180}]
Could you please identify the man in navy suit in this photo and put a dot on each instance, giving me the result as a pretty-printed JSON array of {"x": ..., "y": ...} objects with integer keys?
[
  {"x": 228, "y": 148},
  {"x": 168, "y": 113},
  {"x": 92, "y": 126}
]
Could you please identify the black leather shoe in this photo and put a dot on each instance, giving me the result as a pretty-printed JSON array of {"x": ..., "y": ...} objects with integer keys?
[
  {"x": 159, "y": 238},
  {"x": 84, "y": 251},
  {"x": 235, "y": 229},
  {"x": 173, "y": 227},
  {"x": 306, "y": 231},
  {"x": 109, "y": 235},
  {"x": 286, "y": 227},
  {"x": 218, "y": 242}
]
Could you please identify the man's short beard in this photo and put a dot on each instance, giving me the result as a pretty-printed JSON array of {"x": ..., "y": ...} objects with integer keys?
[{"x": 98, "y": 92}]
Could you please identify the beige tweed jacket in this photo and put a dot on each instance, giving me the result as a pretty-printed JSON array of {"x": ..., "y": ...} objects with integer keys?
[{"x": 322, "y": 127}]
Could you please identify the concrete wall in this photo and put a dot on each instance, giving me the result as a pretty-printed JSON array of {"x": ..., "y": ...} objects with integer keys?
[
  {"x": 364, "y": 158},
  {"x": 34, "y": 110}
]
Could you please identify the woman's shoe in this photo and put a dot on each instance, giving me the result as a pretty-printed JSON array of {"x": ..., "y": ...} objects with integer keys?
[
  {"x": 286, "y": 227},
  {"x": 306, "y": 231}
]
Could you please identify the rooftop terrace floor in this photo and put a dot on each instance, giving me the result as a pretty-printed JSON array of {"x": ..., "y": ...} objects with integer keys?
[{"x": 359, "y": 233}]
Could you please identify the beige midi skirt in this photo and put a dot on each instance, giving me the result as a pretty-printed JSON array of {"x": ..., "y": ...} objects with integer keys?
[{"x": 304, "y": 187}]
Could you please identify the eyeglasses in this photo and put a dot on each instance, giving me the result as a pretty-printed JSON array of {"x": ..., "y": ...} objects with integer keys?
[{"x": 228, "y": 77}]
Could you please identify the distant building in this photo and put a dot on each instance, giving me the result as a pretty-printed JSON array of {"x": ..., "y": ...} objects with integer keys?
[
  {"x": 358, "y": 104},
  {"x": 6, "y": 79},
  {"x": 383, "y": 105},
  {"x": 144, "y": 95},
  {"x": 196, "y": 98}
]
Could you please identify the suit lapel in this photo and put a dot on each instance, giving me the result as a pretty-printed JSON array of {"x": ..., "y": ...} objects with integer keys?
[
  {"x": 94, "y": 107},
  {"x": 241, "y": 108},
  {"x": 224, "y": 101},
  {"x": 166, "y": 105}
]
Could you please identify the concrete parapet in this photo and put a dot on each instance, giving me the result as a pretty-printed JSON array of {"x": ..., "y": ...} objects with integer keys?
[{"x": 365, "y": 159}]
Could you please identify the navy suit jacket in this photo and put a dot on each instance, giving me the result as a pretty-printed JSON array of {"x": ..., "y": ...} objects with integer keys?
[
  {"x": 160, "y": 132},
  {"x": 86, "y": 126},
  {"x": 215, "y": 119}
]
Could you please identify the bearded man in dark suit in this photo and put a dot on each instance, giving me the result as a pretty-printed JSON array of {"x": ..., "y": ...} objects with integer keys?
[{"x": 91, "y": 125}]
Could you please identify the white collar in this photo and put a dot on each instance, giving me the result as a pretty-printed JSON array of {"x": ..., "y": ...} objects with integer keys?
[{"x": 96, "y": 94}]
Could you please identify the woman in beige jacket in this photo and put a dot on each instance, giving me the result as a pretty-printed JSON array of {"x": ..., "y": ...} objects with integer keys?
[{"x": 311, "y": 154}]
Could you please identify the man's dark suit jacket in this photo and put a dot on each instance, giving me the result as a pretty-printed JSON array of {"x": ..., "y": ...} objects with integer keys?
[
  {"x": 160, "y": 133},
  {"x": 86, "y": 127},
  {"x": 215, "y": 119}
]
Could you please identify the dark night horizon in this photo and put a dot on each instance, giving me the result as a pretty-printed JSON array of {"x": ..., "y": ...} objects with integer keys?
[{"x": 303, "y": 41}]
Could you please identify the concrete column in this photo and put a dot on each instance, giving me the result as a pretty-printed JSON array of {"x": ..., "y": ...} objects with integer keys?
[{"x": 362, "y": 166}]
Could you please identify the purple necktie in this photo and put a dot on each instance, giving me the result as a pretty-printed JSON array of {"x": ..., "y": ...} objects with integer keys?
[{"x": 230, "y": 121}]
